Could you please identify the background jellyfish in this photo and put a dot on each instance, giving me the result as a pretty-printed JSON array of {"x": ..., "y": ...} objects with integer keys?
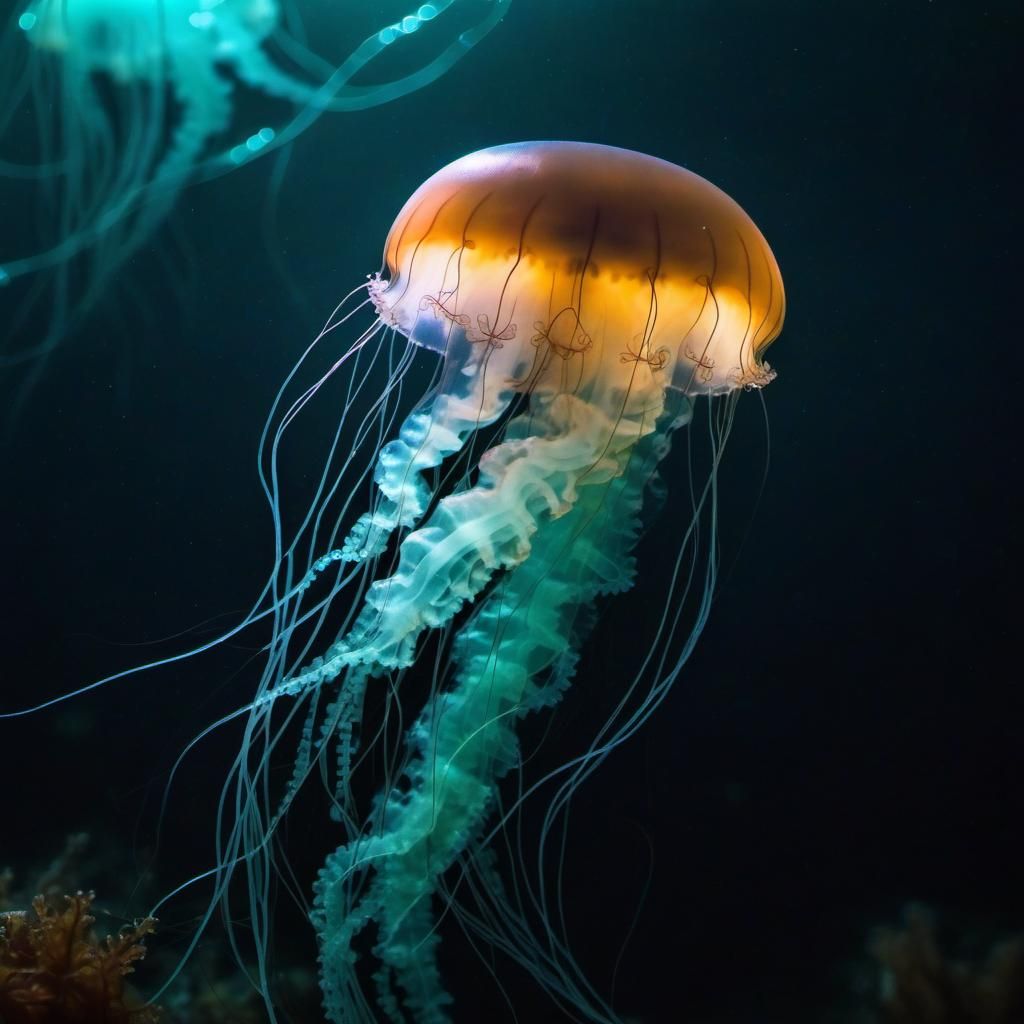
[
  {"x": 581, "y": 300},
  {"x": 130, "y": 99}
]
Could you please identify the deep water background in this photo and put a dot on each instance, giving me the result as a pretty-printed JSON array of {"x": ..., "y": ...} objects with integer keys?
[{"x": 846, "y": 738}]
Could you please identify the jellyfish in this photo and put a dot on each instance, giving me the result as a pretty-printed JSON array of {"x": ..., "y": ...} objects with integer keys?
[
  {"x": 547, "y": 317},
  {"x": 132, "y": 98},
  {"x": 583, "y": 304}
]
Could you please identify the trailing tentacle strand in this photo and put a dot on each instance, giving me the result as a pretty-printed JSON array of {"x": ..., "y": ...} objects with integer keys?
[{"x": 571, "y": 540}]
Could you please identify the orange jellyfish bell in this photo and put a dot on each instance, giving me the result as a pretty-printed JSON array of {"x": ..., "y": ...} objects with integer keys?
[{"x": 586, "y": 260}]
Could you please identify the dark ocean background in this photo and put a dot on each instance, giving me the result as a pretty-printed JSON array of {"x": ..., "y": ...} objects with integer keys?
[{"x": 846, "y": 739}]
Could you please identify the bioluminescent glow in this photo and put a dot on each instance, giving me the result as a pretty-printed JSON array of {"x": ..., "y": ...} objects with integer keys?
[
  {"x": 579, "y": 306},
  {"x": 585, "y": 302},
  {"x": 134, "y": 99}
]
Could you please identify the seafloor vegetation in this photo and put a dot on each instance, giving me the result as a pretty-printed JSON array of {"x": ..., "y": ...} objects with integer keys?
[
  {"x": 57, "y": 967},
  {"x": 55, "y": 970},
  {"x": 921, "y": 984}
]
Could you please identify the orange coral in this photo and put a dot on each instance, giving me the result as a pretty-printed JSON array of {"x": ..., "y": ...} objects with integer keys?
[{"x": 53, "y": 970}]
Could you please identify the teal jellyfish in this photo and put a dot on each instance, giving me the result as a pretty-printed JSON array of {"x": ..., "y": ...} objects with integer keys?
[
  {"x": 584, "y": 303},
  {"x": 132, "y": 99}
]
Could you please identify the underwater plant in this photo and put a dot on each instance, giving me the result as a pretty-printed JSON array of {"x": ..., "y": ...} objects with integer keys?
[
  {"x": 921, "y": 984},
  {"x": 130, "y": 99},
  {"x": 53, "y": 981},
  {"x": 53, "y": 969},
  {"x": 577, "y": 306}
]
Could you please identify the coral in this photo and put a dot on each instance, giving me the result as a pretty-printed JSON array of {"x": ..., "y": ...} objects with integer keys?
[
  {"x": 921, "y": 986},
  {"x": 53, "y": 969}
]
